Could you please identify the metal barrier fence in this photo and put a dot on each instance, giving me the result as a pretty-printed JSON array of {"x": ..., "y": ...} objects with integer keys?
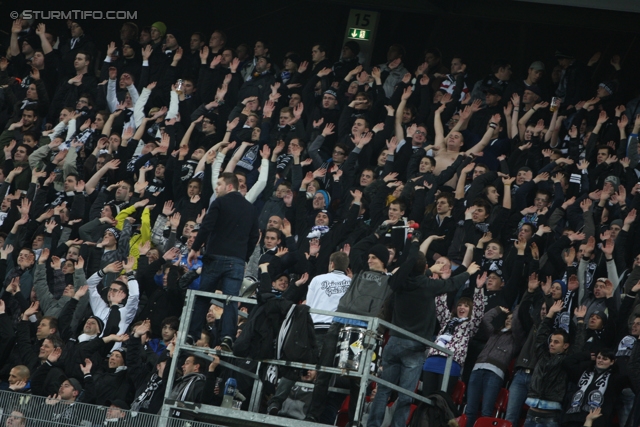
[
  {"x": 25, "y": 410},
  {"x": 252, "y": 417}
]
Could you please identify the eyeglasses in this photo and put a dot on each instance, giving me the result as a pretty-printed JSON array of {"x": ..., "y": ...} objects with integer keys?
[
  {"x": 339, "y": 153},
  {"x": 114, "y": 290},
  {"x": 419, "y": 132}
]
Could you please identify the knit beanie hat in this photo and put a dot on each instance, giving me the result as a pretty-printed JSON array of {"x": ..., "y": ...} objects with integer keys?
[
  {"x": 601, "y": 314},
  {"x": 114, "y": 231},
  {"x": 614, "y": 180},
  {"x": 99, "y": 322},
  {"x": 160, "y": 26},
  {"x": 327, "y": 198},
  {"x": 332, "y": 92},
  {"x": 381, "y": 252},
  {"x": 176, "y": 33},
  {"x": 563, "y": 285},
  {"x": 115, "y": 209},
  {"x": 325, "y": 211},
  {"x": 617, "y": 222},
  {"x": 122, "y": 351},
  {"x": 610, "y": 86}
]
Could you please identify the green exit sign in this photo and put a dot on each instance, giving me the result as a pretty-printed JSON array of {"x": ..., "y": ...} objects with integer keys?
[{"x": 359, "y": 34}]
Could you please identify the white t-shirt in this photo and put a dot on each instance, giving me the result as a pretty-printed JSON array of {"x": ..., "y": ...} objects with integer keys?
[{"x": 324, "y": 293}]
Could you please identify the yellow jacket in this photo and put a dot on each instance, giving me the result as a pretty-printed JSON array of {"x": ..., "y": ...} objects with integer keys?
[{"x": 137, "y": 239}]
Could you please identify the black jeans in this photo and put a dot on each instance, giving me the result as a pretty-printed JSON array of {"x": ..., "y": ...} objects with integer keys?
[
  {"x": 321, "y": 388},
  {"x": 432, "y": 382}
]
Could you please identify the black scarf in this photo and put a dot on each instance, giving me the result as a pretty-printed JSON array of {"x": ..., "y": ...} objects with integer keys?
[{"x": 593, "y": 385}]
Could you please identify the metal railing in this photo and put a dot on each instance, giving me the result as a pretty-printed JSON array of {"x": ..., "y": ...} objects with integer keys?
[
  {"x": 26, "y": 410},
  {"x": 244, "y": 418}
]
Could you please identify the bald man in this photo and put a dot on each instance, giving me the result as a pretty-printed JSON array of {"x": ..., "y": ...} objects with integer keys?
[{"x": 19, "y": 378}]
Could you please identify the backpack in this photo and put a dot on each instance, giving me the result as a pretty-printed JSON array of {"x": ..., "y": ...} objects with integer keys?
[
  {"x": 297, "y": 338},
  {"x": 258, "y": 338},
  {"x": 440, "y": 414}
]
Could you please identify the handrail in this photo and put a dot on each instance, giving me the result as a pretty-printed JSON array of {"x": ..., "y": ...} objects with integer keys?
[{"x": 363, "y": 372}]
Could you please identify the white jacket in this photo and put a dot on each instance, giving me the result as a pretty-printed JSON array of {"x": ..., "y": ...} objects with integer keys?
[{"x": 101, "y": 309}]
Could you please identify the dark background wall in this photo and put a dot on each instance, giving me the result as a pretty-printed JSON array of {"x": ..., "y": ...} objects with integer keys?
[{"x": 482, "y": 30}]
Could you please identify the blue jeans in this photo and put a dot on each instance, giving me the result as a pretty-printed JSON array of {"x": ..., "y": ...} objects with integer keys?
[
  {"x": 219, "y": 273},
  {"x": 402, "y": 361},
  {"x": 517, "y": 395},
  {"x": 625, "y": 404},
  {"x": 534, "y": 421},
  {"x": 483, "y": 385}
]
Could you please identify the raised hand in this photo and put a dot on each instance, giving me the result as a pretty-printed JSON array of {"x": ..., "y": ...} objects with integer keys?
[
  {"x": 585, "y": 205},
  {"x": 314, "y": 247},
  {"x": 569, "y": 256},
  {"x": 392, "y": 144},
  {"x": 473, "y": 269},
  {"x": 114, "y": 267},
  {"x": 171, "y": 254},
  {"x": 302, "y": 280},
  {"x": 534, "y": 283},
  {"x": 580, "y": 312},
  {"x": 574, "y": 283},
  {"x": 486, "y": 238},
  {"x": 319, "y": 173},
  {"x": 608, "y": 247},
  {"x": 128, "y": 264},
  {"x": 555, "y": 308},
  {"x": 55, "y": 355},
  {"x": 328, "y": 129},
  {"x": 33, "y": 309},
  {"x": 142, "y": 329},
  {"x": 86, "y": 367},
  {"x": 480, "y": 280}
]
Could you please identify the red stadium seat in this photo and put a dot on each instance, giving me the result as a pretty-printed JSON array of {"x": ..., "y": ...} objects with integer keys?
[
  {"x": 342, "y": 419},
  {"x": 458, "y": 394},
  {"x": 462, "y": 420},
  {"x": 411, "y": 411},
  {"x": 501, "y": 403}
]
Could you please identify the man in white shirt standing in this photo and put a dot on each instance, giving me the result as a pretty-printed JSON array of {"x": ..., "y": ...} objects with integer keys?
[
  {"x": 324, "y": 293},
  {"x": 326, "y": 290}
]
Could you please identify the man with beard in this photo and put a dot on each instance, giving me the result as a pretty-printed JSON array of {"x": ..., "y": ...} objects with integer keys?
[{"x": 259, "y": 82}]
